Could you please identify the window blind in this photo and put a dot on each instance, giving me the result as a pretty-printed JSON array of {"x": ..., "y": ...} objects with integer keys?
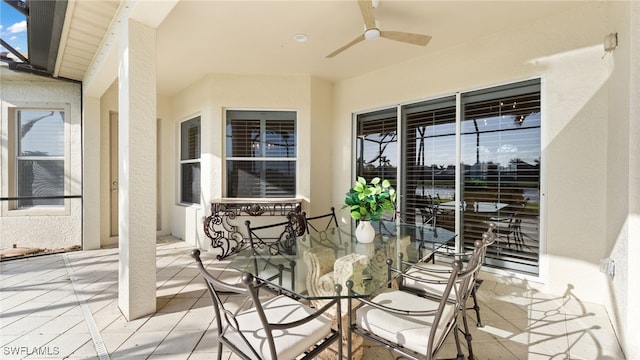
[{"x": 190, "y": 161}]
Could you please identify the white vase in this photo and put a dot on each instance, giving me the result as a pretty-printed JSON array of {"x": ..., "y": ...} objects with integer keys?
[{"x": 365, "y": 232}]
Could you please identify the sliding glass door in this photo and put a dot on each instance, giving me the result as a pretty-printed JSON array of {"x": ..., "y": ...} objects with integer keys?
[
  {"x": 481, "y": 147},
  {"x": 500, "y": 182}
]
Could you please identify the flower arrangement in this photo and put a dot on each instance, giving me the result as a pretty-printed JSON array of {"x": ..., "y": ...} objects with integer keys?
[{"x": 368, "y": 201}]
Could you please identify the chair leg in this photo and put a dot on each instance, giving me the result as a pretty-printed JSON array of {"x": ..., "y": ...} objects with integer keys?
[
  {"x": 456, "y": 328},
  {"x": 467, "y": 335},
  {"x": 476, "y": 307}
]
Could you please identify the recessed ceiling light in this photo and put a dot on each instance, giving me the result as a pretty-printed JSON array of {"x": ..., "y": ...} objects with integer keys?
[{"x": 300, "y": 38}]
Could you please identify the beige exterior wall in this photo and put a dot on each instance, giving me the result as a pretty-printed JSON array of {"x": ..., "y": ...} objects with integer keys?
[
  {"x": 59, "y": 227},
  {"x": 623, "y": 176}
]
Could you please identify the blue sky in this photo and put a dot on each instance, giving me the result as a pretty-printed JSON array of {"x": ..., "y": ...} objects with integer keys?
[{"x": 13, "y": 28}]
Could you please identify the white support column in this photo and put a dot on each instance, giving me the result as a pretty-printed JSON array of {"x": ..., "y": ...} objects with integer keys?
[
  {"x": 91, "y": 173},
  {"x": 137, "y": 170}
]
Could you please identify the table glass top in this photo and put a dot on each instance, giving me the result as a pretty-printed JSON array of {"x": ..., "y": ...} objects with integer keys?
[{"x": 317, "y": 261}]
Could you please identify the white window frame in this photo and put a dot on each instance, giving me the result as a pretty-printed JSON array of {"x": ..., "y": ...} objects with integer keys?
[
  {"x": 263, "y": 121},
  {"x": 8, "y": 156}
]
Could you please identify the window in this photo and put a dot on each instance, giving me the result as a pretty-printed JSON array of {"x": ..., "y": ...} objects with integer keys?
[
  {"x": 489, "y": 139},
  {"x": 261, "y": 154},
  {"x": 39, "y": 153},
  {"x": 190, "y": 161}
]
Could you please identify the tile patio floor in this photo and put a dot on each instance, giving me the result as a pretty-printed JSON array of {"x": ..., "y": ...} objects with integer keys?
[{"x": 64, "y": 306}]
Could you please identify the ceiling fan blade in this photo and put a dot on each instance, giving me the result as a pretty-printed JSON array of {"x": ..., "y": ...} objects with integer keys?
[
  {"x": 355, "y": 41},
  {"x": 366, "y": 8},
  {"x": 410, "y": 38}
]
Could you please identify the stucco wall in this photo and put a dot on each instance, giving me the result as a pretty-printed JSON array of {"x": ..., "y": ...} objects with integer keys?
[
  {"x": 623, "y": 176},
  {"x": 57, "y": 228}
]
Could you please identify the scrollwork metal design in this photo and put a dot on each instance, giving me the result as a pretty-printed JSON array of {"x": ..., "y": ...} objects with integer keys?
[{"x": 226, "y": 236}]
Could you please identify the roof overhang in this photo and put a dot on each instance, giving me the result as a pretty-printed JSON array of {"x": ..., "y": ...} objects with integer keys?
[{"x": 45, "y": 20}]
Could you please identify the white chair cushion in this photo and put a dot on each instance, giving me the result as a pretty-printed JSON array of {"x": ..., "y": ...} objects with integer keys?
[
  {"x": 289, "y": 343},
  {"x": 411, "y": 332},
  {"x": 435, "y": 289}
]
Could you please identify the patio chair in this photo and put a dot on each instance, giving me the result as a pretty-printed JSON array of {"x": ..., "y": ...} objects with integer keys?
[
  {"x": 277, "y": 328},
  {"x": 297, "y": 223},
  {"x": 508, "y": 227},
  {"x": 415, "y": 326},
  {"x": 321, "y": 222},
  {"x": 274, "y": 247},
  {"x": 428, "y": 209},
  {"x": 429, "y": 269}
]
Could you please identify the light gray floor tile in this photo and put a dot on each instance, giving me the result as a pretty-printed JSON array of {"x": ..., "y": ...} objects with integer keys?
[
  {"x": 178, "y": 304},
  {"x": 141, "y": 343},
  {"x": 179, "y": 342},
  {"x": 520, "y": 321},
  {"x": 114, "y": 340},
  {"x": 69, "y": 343},
  {"x": 162, "y": 321}
]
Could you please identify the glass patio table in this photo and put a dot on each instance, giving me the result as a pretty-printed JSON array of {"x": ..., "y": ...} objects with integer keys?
[{"x": 314, "y": 263}]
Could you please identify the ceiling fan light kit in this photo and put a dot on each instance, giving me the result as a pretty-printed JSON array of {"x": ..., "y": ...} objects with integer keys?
[{"x": 372, "y": 32}]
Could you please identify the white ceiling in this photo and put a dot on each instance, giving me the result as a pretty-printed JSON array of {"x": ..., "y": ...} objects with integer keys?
[{"x": 257, "y": 37}]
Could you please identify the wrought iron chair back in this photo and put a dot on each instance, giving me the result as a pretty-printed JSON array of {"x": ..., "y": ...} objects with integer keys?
[
  {"x": 298, "y": 223},
  {"x": 431, "y": 270},
  {"x": 321, "y": 222},
  {"x": 414, "y": 326},
  {"x": 274, "y": 247},
  {"x": 249, "y": 331},
  {"x": 510, "y": 226}
]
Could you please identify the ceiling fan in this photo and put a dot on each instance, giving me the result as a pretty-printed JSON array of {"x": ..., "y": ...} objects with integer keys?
[{"x": 372, "y": 32}]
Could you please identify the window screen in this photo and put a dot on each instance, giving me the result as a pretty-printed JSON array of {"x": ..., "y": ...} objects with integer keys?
[{"x": 40, "y": 157}]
